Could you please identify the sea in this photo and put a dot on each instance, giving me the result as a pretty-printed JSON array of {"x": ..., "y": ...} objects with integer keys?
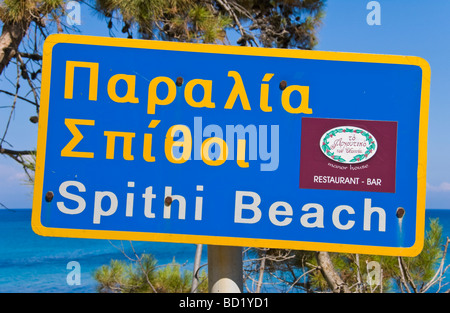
[{"x": 30, "y": 263}]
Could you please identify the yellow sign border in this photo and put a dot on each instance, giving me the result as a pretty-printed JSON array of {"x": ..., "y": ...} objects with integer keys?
[{"x": 53, "y": 40}]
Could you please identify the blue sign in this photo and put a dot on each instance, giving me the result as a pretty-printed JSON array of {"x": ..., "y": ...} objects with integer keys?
[{"x": 175, "y": 142}]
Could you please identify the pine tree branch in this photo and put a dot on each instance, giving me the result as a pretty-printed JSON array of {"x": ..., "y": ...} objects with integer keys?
[
  {"x": 438, "y": 276},
  {"x": 31, "y": 56},
  {"x": 402, "y": 273},
  {"x": 19, "y": 97},
  {"x": 16, "y": 152},
  {"x": 248, "y": 37}
]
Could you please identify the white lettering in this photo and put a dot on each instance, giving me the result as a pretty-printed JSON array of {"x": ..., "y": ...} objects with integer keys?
[
  {"x": 318, "y": 216},
  {"x": 336, "y": 214},
  {"x": 181, "y": 204},
  {"x": 273, "y": 213},
  {"x": 63, "y": 191},
  {"x": 98, "y": 210},
  {"x": 148, "y": 196},
  {"x": 368, "y": 210},
  {"x": 239, "y": 206}
]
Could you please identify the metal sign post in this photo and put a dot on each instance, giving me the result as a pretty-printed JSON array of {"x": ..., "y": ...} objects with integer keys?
[{"x": 225, "y": 272}]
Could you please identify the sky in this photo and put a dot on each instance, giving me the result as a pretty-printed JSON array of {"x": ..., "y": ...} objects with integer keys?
[{"x": 407, "y": 27}]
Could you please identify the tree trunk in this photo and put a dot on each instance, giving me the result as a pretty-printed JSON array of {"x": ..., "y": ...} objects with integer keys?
[
  {"x": 10, "y": 39},
  {"x": 328, "y": 271},
  {"x": 261, "y": 272}
]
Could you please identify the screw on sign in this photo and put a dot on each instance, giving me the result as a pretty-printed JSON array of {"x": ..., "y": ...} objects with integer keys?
[
  {"x": 49, "y": 196},
  {"x": 400, "y": 212}
]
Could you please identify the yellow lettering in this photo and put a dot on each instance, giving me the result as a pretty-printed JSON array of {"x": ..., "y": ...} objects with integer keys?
[
  {"x": 131, "y": 88},
  {"x": 153, "y": 98},
  {"x": 186, "y": 144},
  {"x": 238, "y": 90},
  {"x": 303, "y": 107},
  {"x": 241, "y": 154},
  {"x": 223, "y": 151},
  {"x": 147, "y": 153},
  {"x": 207, "y": 88},
  {"x": 111, "y": 142},
  {"x": 93, "y": 78},
  {"x": 67, "y": 151},
  {"x": 264, "y": 96}
]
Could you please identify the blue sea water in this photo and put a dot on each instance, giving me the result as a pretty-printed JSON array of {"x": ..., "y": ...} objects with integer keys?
[{"x": 31, "y": 263}]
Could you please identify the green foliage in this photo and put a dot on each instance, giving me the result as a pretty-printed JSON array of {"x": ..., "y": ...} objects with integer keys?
[
  {"x": 19, "y": 10},
  {"x": 111, "y": 278},
  {"x": 422, "y": 267},
  {"x": 181, "y": 20},
  {"x": 282, "y": 24},
  {"x": 286, "y": 23},
  {"x": 143, "y": 275},
  {"x": 172, "y": 279},
  {"x": 206, "y": 25}
]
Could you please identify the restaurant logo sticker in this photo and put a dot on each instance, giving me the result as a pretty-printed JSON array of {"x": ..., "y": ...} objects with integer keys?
[
  {"x": 348, "y": 144},
  {"x": 345, "y": 154}
]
